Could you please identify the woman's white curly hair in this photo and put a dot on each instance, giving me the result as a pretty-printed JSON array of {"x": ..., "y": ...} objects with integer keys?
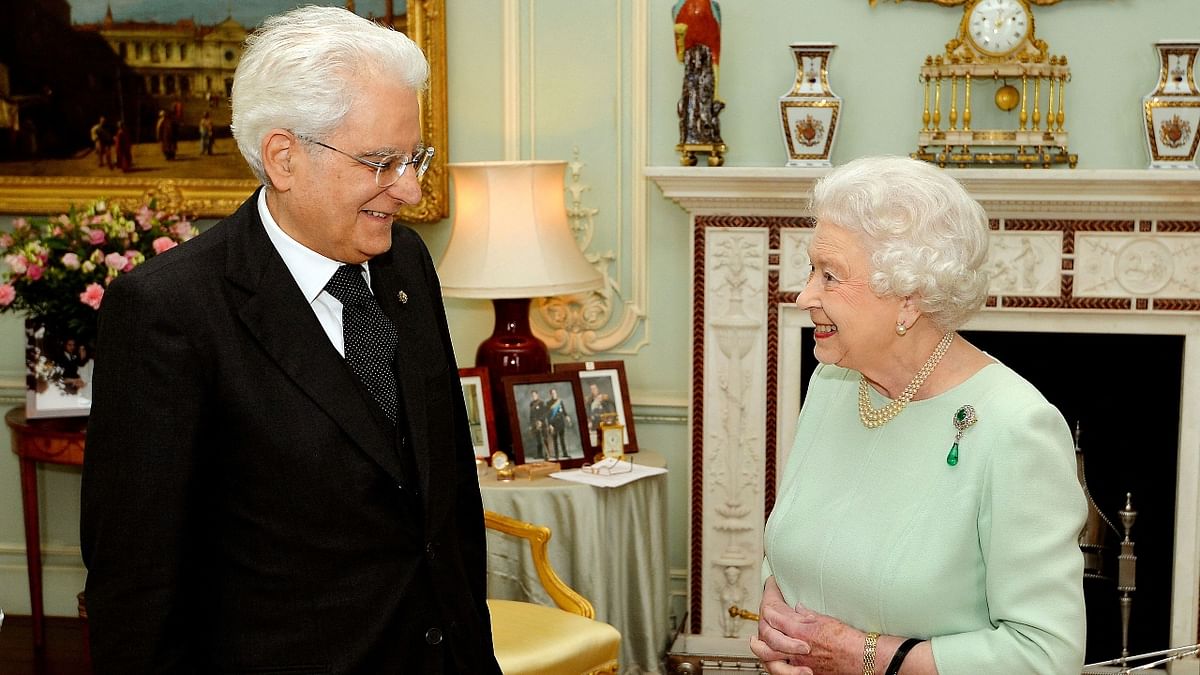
[
  {"x": 302, "y": 70},
  {"x": 927, "y": 237}
]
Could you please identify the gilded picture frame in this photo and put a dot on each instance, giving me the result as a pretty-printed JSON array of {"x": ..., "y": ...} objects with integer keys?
[{"x": 424, "y": 22}]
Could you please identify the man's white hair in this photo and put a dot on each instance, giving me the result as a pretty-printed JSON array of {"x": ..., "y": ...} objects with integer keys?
[{"x": 303, "y": 70}]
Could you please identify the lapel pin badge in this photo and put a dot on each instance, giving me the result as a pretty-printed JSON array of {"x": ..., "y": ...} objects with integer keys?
[
  {"x": 963, "y": 419},
  {"x": 402, "y": 297}
]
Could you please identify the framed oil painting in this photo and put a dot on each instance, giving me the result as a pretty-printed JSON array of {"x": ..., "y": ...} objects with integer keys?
[
  {"x": 477, "y": 396},
  {"x": 605, "y": 399},
  {"x": 128, "y": 100},
  {"x": 544, "y": 418}
]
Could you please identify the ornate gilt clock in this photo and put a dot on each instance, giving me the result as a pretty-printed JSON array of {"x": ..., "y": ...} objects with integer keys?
[{"x": 996, "y": 47}]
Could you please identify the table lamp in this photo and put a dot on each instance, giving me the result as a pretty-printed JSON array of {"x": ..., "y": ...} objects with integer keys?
[{"x": 511, "y": 242}]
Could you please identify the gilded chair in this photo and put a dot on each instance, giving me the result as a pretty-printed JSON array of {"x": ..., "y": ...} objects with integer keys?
[{"x": 532, "y": 639}]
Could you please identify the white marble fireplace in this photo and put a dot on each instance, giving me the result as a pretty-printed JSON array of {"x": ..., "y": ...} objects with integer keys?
[{"x": 1072, "y": 251}]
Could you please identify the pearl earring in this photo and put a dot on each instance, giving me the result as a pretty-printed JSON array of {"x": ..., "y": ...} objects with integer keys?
[{"x": 901, "y": 329}]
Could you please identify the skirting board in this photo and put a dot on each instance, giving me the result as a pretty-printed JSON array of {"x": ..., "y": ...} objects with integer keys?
[{"x": 63, "y": 575}]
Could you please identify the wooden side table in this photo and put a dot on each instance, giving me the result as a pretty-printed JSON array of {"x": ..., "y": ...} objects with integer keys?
[{"x": 53, "y": 441}]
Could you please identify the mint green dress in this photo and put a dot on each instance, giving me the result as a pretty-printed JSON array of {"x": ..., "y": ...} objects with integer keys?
[{"x": 875, "y": 528}]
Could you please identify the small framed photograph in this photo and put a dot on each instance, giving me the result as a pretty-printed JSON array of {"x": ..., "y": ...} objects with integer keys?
[
  {"x": 58, "y": 372},
  {"x": 605, "y": 399},
  {"x": 546, "y": 418},
  {"x": 478, "y": 397}
]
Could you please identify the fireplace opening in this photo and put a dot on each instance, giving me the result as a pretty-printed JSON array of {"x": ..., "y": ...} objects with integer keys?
[{"x": 1124, "y": 392}]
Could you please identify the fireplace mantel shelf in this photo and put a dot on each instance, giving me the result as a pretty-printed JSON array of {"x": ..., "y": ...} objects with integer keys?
[{"x": 1116, "y": 193}]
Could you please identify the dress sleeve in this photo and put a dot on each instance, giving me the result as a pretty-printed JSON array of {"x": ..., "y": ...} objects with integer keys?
[{"x": 1030, "y": 514}]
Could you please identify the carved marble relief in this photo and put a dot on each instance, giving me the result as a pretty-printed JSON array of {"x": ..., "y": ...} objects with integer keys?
[
  {"x": 1025, "y": 263},
  {"x": 1128, "y": 265},
  {"x": 733, "y": 458},
  {"x": 793, "y": 260}
]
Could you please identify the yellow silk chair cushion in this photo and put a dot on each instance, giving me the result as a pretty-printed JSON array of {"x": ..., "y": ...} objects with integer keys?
[{"x": 534, "y": 639}]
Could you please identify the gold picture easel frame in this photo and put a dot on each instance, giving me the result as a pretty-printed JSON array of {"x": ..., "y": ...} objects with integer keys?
[{"x": 425, "y": 23}]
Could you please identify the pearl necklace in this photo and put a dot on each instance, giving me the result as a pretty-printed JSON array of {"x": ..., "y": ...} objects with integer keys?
[{"x": 872, "y": 418}]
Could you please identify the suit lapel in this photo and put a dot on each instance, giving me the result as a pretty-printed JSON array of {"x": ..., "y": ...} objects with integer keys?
[
  {"x": 388, "y": 282},
  {"x": 279, "y": 317}
]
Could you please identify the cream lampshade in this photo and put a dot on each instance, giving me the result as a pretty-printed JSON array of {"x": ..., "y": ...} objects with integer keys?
[{"x": 511, "y": 242}]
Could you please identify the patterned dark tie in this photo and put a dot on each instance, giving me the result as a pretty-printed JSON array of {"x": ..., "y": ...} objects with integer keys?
[{"x": 370, "y": 338}]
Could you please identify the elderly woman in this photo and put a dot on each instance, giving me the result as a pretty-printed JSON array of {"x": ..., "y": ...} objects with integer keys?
[{"x": 928, "y": 516}]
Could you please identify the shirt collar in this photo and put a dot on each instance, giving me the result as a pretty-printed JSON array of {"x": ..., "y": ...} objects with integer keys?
[{"x": 310, "y": 269}]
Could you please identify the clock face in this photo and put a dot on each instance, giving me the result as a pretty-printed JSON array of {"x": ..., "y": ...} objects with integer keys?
[
  {"x": 613, "y": 442},
  {"x": 997, "y": 26}
]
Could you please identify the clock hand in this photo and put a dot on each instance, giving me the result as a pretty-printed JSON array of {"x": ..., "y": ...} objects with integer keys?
[{"x": 1000, "y": 20}]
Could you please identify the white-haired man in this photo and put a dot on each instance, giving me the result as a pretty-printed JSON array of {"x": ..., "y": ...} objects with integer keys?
[{"x": 279, "y": 474}]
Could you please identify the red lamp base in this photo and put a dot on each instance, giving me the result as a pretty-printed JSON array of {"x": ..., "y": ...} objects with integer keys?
[{"x": 512, "y": 349}]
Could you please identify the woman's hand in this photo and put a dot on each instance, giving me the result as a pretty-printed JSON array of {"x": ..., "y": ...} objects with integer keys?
[{"x": 802, "y": 642}]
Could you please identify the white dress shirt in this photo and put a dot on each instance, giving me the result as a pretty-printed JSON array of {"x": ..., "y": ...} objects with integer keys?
[{"x": 312, "y": 271}]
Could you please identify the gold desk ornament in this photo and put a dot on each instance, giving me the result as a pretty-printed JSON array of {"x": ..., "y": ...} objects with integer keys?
[
  {"x": 612, "y": 438},
  {"x": 532, "y": 470},
  {"x": 503, "y": 466}
]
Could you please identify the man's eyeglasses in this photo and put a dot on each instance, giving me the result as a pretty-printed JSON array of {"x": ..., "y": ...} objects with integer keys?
[{"x": 388, "y": 168}]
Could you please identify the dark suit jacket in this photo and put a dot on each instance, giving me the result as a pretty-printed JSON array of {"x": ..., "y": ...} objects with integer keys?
[{"x": 243, "y": 508}]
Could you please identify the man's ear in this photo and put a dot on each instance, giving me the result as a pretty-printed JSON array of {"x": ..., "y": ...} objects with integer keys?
[{"x": 278, "y": 150}]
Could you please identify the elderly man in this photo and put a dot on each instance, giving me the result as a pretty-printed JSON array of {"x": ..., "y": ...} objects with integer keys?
[{"x": 279, "y": 473}]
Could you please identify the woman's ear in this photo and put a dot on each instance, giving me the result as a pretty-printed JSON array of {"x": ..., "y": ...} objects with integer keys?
[
  {"x": 909, "y": 312},
  {"x": 278, "y": 148}
]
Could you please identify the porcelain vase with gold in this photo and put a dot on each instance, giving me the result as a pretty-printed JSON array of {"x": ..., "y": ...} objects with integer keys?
[
  {"x": 809, "y": 112},
  {"x": 1172, "y": 110}
]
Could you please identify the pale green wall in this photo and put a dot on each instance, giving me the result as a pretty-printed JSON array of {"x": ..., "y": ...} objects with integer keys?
[{"x": 576, "y": 69}]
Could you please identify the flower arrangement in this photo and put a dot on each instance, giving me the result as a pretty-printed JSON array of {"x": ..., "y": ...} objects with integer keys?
[{"x": 58, "y": 267}]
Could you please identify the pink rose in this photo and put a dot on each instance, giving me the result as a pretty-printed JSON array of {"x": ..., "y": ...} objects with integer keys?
[
  {"x": 96, "y": 237},
  {"x": 16, "y": 263},
  {"x": 34, "y": 272},
  {"x": 182, "y": 230},
  {"x": 20, "y": 224},
  {"x": 6, "y": 240},
  {"x": 92, "y": 295},
  {"x": 7, "y": 294},
  {"x": 163, "y": 244},
  {"x": 115, "y": 261},
  {"x": 70, "y": 261},
  {"x": 145, "y": 218}
]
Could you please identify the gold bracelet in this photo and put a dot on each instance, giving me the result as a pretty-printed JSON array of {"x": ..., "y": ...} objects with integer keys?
[{"x": 869, "y": 653}]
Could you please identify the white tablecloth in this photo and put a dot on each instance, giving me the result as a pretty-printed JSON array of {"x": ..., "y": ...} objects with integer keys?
[{"x": 610, "y": 544}]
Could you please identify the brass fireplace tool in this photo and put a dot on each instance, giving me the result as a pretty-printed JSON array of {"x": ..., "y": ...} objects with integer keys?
[{"x": 1091, "y": 542}]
